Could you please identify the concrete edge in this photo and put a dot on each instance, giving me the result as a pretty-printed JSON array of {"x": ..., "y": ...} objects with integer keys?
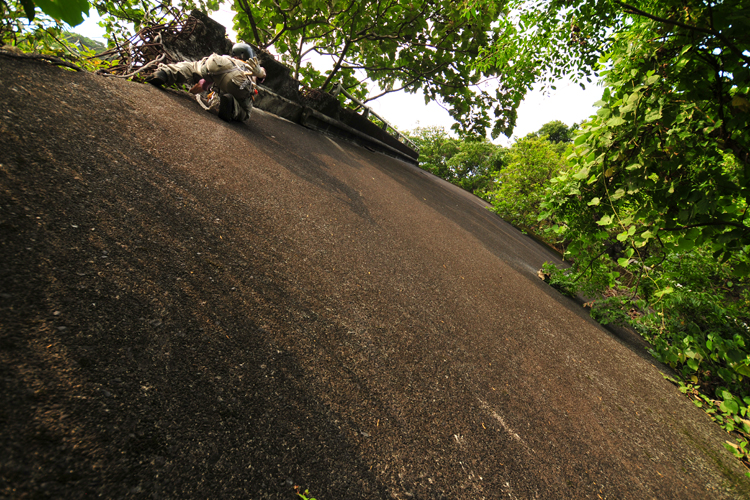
[{"x": 267, "y": 100}]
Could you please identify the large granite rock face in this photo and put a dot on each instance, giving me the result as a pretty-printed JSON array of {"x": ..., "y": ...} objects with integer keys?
[{"x": 200, "y": 37}]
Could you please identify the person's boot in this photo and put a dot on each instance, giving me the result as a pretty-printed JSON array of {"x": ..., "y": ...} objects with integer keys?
[
  {"x": 226, "y": 107},
  {"x": 158, "y": 78}
]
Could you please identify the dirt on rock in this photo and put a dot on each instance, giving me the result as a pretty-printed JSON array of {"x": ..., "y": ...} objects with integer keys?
[{"x": 197, "y": 309}]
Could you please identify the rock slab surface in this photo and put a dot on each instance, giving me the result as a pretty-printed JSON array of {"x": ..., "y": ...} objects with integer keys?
[{"x": 197, "y": 309}]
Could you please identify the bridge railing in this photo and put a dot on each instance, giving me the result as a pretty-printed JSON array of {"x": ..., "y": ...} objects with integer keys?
[{"x": 387, "y": 127}]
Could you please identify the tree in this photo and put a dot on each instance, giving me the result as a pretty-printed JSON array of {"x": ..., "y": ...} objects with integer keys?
[
  {"x": 122, "y": 18},
  {"x": 665, "y": 165},
  {"x": 400, "y": 44},
  {"x": 40, "y": 26},
  {"x": 659, "y": 160},
  {"x": 470, "y": 164},
  {"x": 542, "y": 42},
  {"x": 557, "y": 132},
  {"x": 531, "y": 163},
  {"x": 476, "y": 164},
  {"x": 436, "y": 148}
]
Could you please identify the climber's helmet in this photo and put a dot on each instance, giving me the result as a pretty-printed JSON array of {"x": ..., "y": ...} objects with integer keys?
[{"x": 243, "y": 51}]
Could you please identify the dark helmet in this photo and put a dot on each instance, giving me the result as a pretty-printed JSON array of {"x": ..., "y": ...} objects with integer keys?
[{"x": 242, "y": 51}]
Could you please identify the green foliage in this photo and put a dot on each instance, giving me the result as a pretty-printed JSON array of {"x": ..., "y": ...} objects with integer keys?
[
  {"x": 123, "y": 18},
  {"x": 20, "y": 21},
  {"x": 67, "y": 11},
  {"x": 556, "y": 132},
  {"x": 44, "y": 26},
  {"x": 520, "y": 185},
  {"x": 653, "y": 208},
  {"x": 36, "y": 32},
  {"x": 663, "y": 167},
  {"x": 436, "y": 147},
  {"x": 665, "y": 161},
  {"x": 470, "y": 164},
  {"x": 84, "y": 43},
  {"x": 543, "y": 41},
  {"x": 304, "y": 495},
  {"x": 476, "y": 164},
  {"x": 400, "y": 44}
]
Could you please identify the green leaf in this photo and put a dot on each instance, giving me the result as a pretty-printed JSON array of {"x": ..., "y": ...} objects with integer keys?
[
  {"x": 29, "y": 9},
  {"x": 581, "y": 174},
  {"x": 685, "y": 244},
  {"x": 741, "y": 270},
  {"x": 70, "y": 11},
  {"x": 653, "y": 115},
  {"x": 605, "y": 221},
  {"x": 693, "y": 233},
  {"x": 594, "y": 202},
  {"x": 729, "y": 406},
  {"x": 664, "y": 291},
  {"x": 732, "y": 448},
  {"x": 735, "y": 355},
  {"x": 618, "y": 194},
  {"x": 622, "y": 236}
]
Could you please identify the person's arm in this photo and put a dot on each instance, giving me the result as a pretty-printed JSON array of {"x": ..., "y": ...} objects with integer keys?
[
  {"x": 255, "y": 67},
  {"x": 202, "y": 86}
]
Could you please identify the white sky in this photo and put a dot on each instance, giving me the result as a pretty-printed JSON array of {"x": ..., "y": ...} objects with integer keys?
[{"x": 569, "y": 103}]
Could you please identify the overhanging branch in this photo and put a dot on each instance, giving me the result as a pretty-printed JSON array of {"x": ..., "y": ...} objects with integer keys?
[{"x": 706, "y": 31}]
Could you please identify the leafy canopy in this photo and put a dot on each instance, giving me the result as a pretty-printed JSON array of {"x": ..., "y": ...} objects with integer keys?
[
  {"x": 557, "y": 132},
  {"x": 400, "y": 44},
  {"x": 531, "y": 163},
  {"x": 31, "y": 23},
  {"x": 664, "y": 166},
  {"x": 470, "y": 164}
]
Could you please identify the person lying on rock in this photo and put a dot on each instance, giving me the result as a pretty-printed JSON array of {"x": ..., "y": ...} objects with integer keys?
[{"x": 232, "y": 78}]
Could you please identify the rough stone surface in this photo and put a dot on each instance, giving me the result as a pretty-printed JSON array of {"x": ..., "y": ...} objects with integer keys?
[
  {"x": 278, "y": 77},
  {"x": 196, "y": 309},
  {"x": 202, "y": 37}
]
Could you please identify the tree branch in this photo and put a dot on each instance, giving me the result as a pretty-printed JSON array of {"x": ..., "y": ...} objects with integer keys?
[
  {"x": 246, "y": 8},
  {"x": 706, "y": 31},
  {"x": 704, "y": 224}
]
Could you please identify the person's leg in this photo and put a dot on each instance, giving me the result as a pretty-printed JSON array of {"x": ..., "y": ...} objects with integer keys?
[
  {"x": 240, "y": 98},
  {"x": 187, "y": 72},
  {"x": 232, "y": 110}
]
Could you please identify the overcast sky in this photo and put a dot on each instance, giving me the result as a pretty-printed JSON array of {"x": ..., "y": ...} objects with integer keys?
[{"x": 569, "y": 103}]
